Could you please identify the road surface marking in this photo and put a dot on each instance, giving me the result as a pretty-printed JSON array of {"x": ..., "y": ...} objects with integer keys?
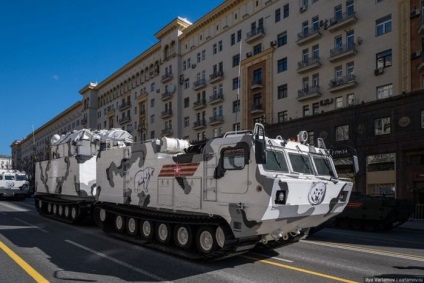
[
  {"x": 276, "y": 258},
  {"x": 32, "y": 226},
  {"x": 141, "y": 271},
  {"x": 367, "y": 250},
  {"x": 13, "y": 207},
  {"x": 25, "y": 266},
  {"x": 300, "y": 269}
]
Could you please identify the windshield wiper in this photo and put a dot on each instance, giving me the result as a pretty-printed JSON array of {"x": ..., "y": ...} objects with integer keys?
[{"x": 275, "y": 154}]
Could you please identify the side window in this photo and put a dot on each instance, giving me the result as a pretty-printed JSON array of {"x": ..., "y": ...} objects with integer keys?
[{"x": 233, "y": 158}]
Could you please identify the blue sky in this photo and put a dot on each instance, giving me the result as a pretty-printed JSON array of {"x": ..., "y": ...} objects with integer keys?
[{"x": 50, "y": 49}]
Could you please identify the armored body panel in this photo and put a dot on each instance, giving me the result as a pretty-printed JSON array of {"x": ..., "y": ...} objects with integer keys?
[{"x": 293, "y": 188}]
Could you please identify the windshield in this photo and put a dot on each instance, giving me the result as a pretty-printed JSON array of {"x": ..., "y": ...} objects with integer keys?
[
  {"x": 9, "y": 177},
  {"x": 301, "y": 163},
  {"x": 21, "y": 177},
  {"x": 324, "y": 166},
  {"x": 275, "y": 161}
]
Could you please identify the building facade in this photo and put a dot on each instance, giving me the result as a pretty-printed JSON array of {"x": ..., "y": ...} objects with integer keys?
[{"x": 279, "y": 62}]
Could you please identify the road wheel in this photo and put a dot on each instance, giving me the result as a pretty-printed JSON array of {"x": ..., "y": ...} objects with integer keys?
[
  {"x": 66, "y": 211},
  {"x": 74, "y": 212},
  {"x": 163, "y": 233},
  {"x": 205, "y": 240},
  {"x": 54, "y": 209},
  {"x": 60, "y": 210},
  {"x": 102, "y": 214},
  {"x": 119, "y": 222},
  {"x": 220, "y": 237},
  {"x": 183, "y": 236},
  {"x": 132, "y": 226},
  {"x": 49, "y": 208},
  {"x": 147, "y": 229}
]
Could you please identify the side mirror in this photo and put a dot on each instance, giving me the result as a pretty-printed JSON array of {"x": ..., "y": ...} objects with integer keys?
[
  {"x": 355, "y": 164},
  {"x": 260, "y": 151}
]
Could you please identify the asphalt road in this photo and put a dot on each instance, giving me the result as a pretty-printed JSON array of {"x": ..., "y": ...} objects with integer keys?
[{"x": 37, "y": 249}]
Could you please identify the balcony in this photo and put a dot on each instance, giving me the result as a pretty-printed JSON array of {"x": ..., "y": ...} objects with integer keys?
[
  {"x": 124, "y": 106},
  {"x": 167, "y": 132},
  {"x": 309, "y": 64},
  {"x": 216, "y": 120},
  {"x": 216, "y": 76},
  {"x": 256, "y": 84},
  {"x": 84, "y": 121},
  {"x": 342, "y": 83},
  {"x": 167, "y": 77},
  {"x": 257, "y": 108},
  {"x": 199, "y": 104},
  {"x": 166, "y": 114},
  {"x": 166, "y": 96},
  {"x": 216, "y": 98},
  {"x": 308, "y": 35},
  {"x": 255, "y": 34},
  {"x": 339, "y": 22},
  {"x": 110, "y": 110},
  {"x": 199, "y": 84},
  {"x": 308, "y": 92},
  {"x": 421, "y": 28},
  {"x": 124, "y": 120},
  {"x": 199, "y": 124},
  {"x": 341, "y": 52}
]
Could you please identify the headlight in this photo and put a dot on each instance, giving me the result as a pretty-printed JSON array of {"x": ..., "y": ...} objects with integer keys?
[{"x": 280, "y": 197}]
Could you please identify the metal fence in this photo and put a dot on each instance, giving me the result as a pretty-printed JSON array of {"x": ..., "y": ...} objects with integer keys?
[{"x": 419, "y": 212}]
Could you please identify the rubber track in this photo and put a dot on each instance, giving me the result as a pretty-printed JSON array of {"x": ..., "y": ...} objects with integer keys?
[{"x": 231, "y": 244}]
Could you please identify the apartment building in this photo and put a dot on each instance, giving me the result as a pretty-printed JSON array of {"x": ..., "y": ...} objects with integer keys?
[{"x": 272, "y": 61}]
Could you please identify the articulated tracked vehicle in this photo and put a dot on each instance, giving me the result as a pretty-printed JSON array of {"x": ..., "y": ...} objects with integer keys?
[{"x": 209, "y": 199}]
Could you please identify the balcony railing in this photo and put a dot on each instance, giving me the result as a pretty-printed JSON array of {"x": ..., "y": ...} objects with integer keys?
[
  {"x": 343, "y": 51},
  {"x": 167, "y": 132},
  {"x": 166, "y": 96},
  {"x": 166, "y": 114},
  {"x": 309, "y": 64},
  {"x": 308, "y": 35},
  {"x": 124, "y": 120},
  {"x": 199, "y": 124},
  {"x": 216, "y": 76},
  {"x": 343, "y": 82},
  {"x": 216, "y": 119},
  {"x": 308, "y": 92},
  {"x": 257, "y": 108},
  {"x": 216, "y": 98},
  {"x": 256, "y": 84},
  {"x": 341, "y": 21},
  {"x": 124, "y": 105},
  {"x": 199, "y": 84},
  {"x": 255, "y": 34},
  {"x": 167, "y": 77},
  {"x": 199, "y": 104}
]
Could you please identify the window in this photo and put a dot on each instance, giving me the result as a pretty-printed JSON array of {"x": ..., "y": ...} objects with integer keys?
[
  {"x": 236, "y": 60},
  {"x": 282, "y": 116},
  {"x": 315, "y": 80},
  {"x": 315, "y": 51},
  {"x": 236, "y": 106},
  {"x": 282, "y": 39},
  {"x": 187, "y": 83},
  {"x": 339, "y": 102},
  {"x": 199, "y": 57},
  {"x": 282, "y": 65},
  {"x": 382, "y": 126},
  {"x": 152, "y": 119},
  {"x": 186, "y": 122},
  {"x": 186, "y": 102},
  {"x": 233, "y": 38},
  {"x": 214, "y": 48},
  {"x": 275, "y": 161},
  {"x": 238, "y": 35},
  {"x": 350, "y": 99},
  {"x": 277, "y": 15},
  {"x": 384, "y": 91},
  {"x": 234, "y": 158},
  {"x": 342, "y": 133},
  {"x": 384, "y": 59},
  {"x": 220, "y": 46},
  {"x": 315, "y": 108},
  {"x": 383, "y": 25},
  {"x": 305, "y": 110},
  {"x": 152, "y": 102},
  {"x": 282, "y": 91},
  {"x": 350, "y": 8},
  {"x": 286, "y": 11},
  {"x": 257, "y": 76},
  {"x": 236, "y": 83},
  {"x": 236, "y": 127},
  {"x": 257, "y": 49}
]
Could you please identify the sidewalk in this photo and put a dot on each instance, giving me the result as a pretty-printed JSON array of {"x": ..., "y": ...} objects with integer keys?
[{"x": 413, "y": 224}]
